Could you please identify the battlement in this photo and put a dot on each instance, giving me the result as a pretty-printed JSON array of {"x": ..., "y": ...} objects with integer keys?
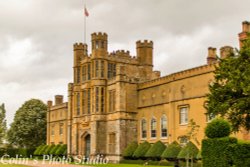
[
  {"x": 145, "y": 43},
  {"x": 177, "y": 76},
  {"x": 99, "y": 36},
  {"x": 80, "y": 46},
  {"x": 123, "y": 54}
]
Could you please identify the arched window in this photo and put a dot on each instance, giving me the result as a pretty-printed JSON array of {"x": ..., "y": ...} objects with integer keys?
[
  {"x": 143, "y": 128},
  {"x": 164, "y": 130},
  {"x": 153, "y": 127}
]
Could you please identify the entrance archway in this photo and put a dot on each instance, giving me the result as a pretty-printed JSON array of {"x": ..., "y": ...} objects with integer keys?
[{"x": 87, "y": 145}]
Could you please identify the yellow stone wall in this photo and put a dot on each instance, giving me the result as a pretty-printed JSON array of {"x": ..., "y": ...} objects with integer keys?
[{"x": 57, "y": 124}]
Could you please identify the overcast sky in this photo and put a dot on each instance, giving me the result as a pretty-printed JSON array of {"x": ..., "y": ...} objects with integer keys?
[{"x": 36, "y": 38}]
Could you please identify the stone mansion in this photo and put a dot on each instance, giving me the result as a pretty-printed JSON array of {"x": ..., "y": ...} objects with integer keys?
[{"x": 116, "y": 98}]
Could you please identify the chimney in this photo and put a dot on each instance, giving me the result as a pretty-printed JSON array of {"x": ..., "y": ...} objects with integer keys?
[
  {"x": 49, "y": 103},
  {"x": 157, "y": 74},
  {"x": 211, "y": 58},
  {"x": 58, "y": 99},
  {"x": 225, "y": 51},
  {"x": 243, "y": 34}
]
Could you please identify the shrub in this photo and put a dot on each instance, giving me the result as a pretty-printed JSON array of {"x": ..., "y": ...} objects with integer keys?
[
  {"x": 153, "y": 163},
  {"x": 12, "y": 152},
  {"x": 22, "y": 152},
  {"x": 61, "y": 150},
  {"x": 125, "y": 161},
  {"x": 172, "y": 151},
  {"x": 47, "y": 151},
  {"x": 54, "y": 149},
  {"x": 2, "y": 151},
  {"x": 156, "y": 150},
  {"x": 241, "y": 154},
  {"x": 215, "y": 152},
  {"x": 65, "y": 151},
  {"x": 199, "y": 155},
  {"x": 189, "y": 151},
  {"x": 36, "y": 152},
  {"x": 195, "y": 164},
  {"x": 42, "y": 150},
  {"x": 218, "y": 128},
  {"x": 30, "y": 151},
  {"x": 129, "y": 150},
  {"x": 141, "y": 150},
  {"x": 166, "y": 163}
]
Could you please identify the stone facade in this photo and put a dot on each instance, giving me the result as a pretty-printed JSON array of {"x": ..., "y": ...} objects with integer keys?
[{"x": 117, "y": 98}]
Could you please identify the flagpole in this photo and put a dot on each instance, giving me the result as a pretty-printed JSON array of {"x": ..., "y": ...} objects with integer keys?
[{"x": 85, "y": 27}]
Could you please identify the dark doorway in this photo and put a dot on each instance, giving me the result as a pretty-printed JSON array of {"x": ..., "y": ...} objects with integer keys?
[{"x": 87, "y": 146}]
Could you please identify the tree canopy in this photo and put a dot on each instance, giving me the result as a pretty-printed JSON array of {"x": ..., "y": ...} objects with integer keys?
[
  {"x": 3, "y": 126},
  {"x": 29, "y": 126},
  {"x": 229, "y": 94}
]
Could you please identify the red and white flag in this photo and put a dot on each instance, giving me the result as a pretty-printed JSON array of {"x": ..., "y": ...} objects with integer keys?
[{"x": 86, "y": 13}]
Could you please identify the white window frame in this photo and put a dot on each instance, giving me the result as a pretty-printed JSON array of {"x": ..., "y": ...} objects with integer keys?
[
  {"x": 143, "y": 119},
  {"x": 153, "y": 137},
  {"x": 164, "y": 117},
  {"x": 183, "y": 121}
]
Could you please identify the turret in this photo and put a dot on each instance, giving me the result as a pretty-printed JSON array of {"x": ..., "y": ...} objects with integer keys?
[
  {"x": 144, "y": 51},
  {"x": 225, "y": 51},
  {"x": 245, "y": 31},
  {"x": 211, "y": 57},
  {"x": 99, "y": 44},
  {"x": 80, "y": 51}
]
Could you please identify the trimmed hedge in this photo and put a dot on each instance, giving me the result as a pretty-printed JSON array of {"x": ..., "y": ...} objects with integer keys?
[
  {"x": 241, "y": 154},
  {"x": 36, "y": 152},
  {"x": 54, "y": 149},
  {"x": 48, "y": 149},
  {"x": 215, "y": 152},
  {"x": 42, "y": 150},
  {"x": 189, "y": 151},
  {"x": 141, "y": 150},
  {"x": 129, "y": 150},
  {"x": 155, "y": 151},
  {"x": 62, "y": 150},
  {"x": 172, "y": 151},
  {"x": 218, "y": 128}
]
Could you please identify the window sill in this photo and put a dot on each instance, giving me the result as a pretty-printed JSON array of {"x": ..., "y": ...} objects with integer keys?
[
  {"x": 183, "y": 124},
  {"x": 164, "y": 137}
]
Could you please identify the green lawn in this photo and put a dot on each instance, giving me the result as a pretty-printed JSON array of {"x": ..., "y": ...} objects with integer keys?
[
  {"x": 7, "y": 165},
  {"x": 101, "y": 165},
  {"x": 123, "y": 165},
  {"x": 106, "y": 165}
]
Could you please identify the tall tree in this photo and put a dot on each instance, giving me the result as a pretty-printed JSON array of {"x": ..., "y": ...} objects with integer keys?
[
  {"x": 29, "y": 126},
  {"x": 3, "y": 126},
  {"x": 229, "y": 95}
]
